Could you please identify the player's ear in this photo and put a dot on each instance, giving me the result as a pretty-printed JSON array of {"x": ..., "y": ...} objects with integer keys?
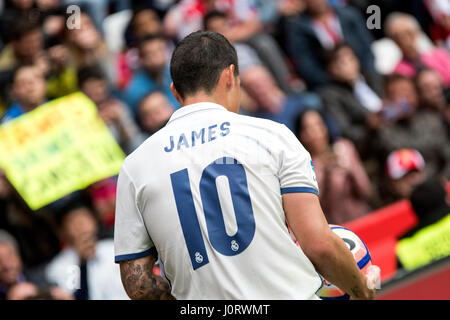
[
  {"x": 230, "y": 79},
  {"x": 175, "y": 93}
]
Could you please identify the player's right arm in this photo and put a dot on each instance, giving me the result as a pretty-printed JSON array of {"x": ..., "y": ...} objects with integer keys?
[{"x": 327, "y": 252}]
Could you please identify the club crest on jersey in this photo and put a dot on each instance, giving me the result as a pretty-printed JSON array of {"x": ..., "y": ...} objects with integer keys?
[
  {"x": 201, "y": 136},
  {"x": 198, "y": 257},
  {"x": 234, "y": 245}
]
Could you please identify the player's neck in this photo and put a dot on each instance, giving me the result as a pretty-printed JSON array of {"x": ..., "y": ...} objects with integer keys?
[{"x": 201, "y": 97}]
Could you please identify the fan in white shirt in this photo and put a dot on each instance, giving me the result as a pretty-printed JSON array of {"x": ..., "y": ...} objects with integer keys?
[{"x": 101, "y": 278}]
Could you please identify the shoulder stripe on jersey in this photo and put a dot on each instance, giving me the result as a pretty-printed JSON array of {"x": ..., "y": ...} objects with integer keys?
[
  {"x": 299, "y": 189},
  {"x": 134, "y": 256}
]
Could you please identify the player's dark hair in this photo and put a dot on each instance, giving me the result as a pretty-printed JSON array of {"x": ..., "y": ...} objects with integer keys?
[{"x": 199, "y": 60}]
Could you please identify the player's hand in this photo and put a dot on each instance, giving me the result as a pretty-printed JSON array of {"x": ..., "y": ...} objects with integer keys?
[
  {"x": 372, "y": 281},
  {"x": 373, "y": 277}
]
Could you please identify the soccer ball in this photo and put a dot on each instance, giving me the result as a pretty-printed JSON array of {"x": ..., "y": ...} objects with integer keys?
[{"x": 329, "y": 291}]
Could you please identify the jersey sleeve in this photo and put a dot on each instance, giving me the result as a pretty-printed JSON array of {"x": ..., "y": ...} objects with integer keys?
[
  {"x": 296, "y": 170},
  {"x": 131, "y": 238}
]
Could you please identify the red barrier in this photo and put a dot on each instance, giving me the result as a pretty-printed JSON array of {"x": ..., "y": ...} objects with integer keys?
[{"x": 380, "y": 231}]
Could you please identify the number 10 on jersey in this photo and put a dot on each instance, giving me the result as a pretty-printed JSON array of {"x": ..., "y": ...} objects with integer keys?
[{"x": 218, "y": 237}]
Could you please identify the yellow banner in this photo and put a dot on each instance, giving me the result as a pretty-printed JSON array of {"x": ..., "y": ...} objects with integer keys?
[{"x": 59, "y": 147}]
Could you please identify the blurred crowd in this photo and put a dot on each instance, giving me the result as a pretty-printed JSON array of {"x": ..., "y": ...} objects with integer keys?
[{"x": 371, "y": 105}]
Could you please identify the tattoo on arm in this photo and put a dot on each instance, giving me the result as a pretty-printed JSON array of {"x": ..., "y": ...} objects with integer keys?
[
  {"x": 356, "y": 292},
  {"x": 141, "y": 284}
]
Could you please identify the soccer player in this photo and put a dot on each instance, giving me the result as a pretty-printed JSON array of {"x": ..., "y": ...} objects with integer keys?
[{"x": 211, "y": 194}]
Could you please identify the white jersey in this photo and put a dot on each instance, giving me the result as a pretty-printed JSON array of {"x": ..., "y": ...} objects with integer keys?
[{"x": 206, "y": 192}]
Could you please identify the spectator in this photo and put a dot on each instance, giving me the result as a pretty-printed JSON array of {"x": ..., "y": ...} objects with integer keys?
[
  {"x": 53, "y": 17},
  {"x": 431, "y": 92},
  {"x": 432, "y": 96},
  {"x": 35, "y": 40},
  {"x": 404, "y": 30},
  {"x": 343, "y": 183},
  {"x": 32, "y": 230},
  {"x": 15, "y": 283},
  {"x": 98, "y": 9},
  {"x": 28, "y": 91},
  {"x": 187, "y": 16},
  {"x": 102, "y": 196},
  {"x": 426, "y": 242},
  {"x": 154, "y": 112},
  {"x": 23, "y": 44},
  {"x": 430, "y": 202},
  {"x": 287, "y": 10},
  {"x": 405, "y": 125},
  {"x": 61, "y": 72},
  {"x": 10, "y": 263},
  {"x": 153, "y": 74},
  {"x": 15, "y": 10},
  {"x": 351, "y": 99},
  {"x": 320, "y": 27},
  {"x": 145, "y": 21},
  {"x": 405, "y": 169},
  {"x": 26, "y": 45},
  {"x": 87, "y": 47},
  {"x": 273, "y": 103},
  {"x": 401, "y": 98},
  {"x": 217, "y": 21},
  {"x": 114, "y": 113},
  {"x": 243, "y": 25},
  {"x": 98, "y": 276}
]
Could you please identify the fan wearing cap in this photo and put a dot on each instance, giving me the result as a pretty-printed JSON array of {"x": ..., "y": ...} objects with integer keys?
[{"x": 405, "y": 169}]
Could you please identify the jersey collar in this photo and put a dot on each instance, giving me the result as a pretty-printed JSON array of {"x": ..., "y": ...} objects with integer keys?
[{"x": 196, "y": 107}]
